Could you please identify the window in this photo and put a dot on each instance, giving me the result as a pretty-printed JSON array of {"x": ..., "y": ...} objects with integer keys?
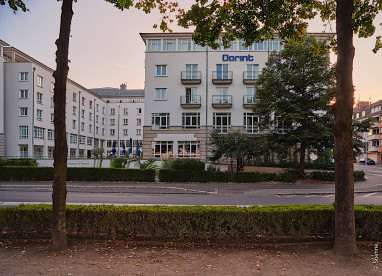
[
  {"x": 73, "y": 138},
  {"x": 74, "y": 110},
  {"x": 160, "y": 120},
  {"x": 39, "y": 81},
  {"x": 169, "y": 44},
  {"x": 90, "y": 104},
  {"x": 97, "y": 130},
  {"x": 83, "y": 100},
  {"x": 125, "y": 122},
  {"x": 275, "y": 45},
  {"x": 39, "y": 97},
  {"x": 250, "y": 121},
  {"x": 192, "y": 72},
  {"x": 191, "y": 120},
  {"x": 250, "y": 98},
  {"x": 139, "y": 132},
  {"x": 109, "y": 143},
  {"x": 189, "y": 149},
  {"x": 103, "y": 131},
  {"x": 112, "y": 111},
  {"x": 125, "y": 111},
  {"x": 161, "y": 70},
  {"x": 90, "y": 128},
  {"x": 242, "y": 47},
  {"x": 260, "y": 46},
  {"x": 82, "y": 126},
  {"x": 160, "y": 148},
  {"x": 74, "y": 97},
  {"x": 23, "y": 131},
  {"x": 52, "y": 87},
  {"x": 23, "y": 151},
  {"x": 97, "y": 107},
  {"x": 39, "y": 115},
  {"x": 222, "y": 122},
  {"x": 23, "y": 76},
  {"x": 139, "y": 122},
  {"x": 52, "y": 117},
  {"x": 139, "y": 110},
  {"x": 125, "y": 132},
  {"x": 90, "y": 116},
  {"x": 222, "y": 95},
  {"x": 23, "y": 111},
  {"x": 221, "y": 71},
  {"x": 23, "y": 94},
  {"x": 89, "y": 141},
  {"x": 154, "y": 45},
  {"x": 160, "y": 94},
  {"x": 82, "y": 113},
  {"x": 97, "y": 118},
  {"x": 197, "y": 47},
  {"x": 52, "y": 102},
  {"x": 112, "y": 122},
  {"x": 232, "y": 46},
  {"x": 74, "y": 122},
  {"x": 192, "y": 95},
  {"x": 103, "y": 121},
  {"x": 112, "y": 131},
  {"x": 39, "y": 132},
  {"x": 280, "y": 126},
  {"x": 103, "y": 110},
  {"x": 50, "y": 134},
  {"x": 252, "y": 71},
  {"x": 184, "y": 44},
  {"x": 82, "y": 140}
]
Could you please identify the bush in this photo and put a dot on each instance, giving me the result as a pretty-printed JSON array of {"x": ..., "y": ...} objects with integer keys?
[
  {"x": 76, "y": 174},
  {"x": 293, "y": 165},
  {"x": 189, "y": 223},
  {"x": 18, "y": 162},
  {"x": 118, "y": 163},
  {"x": 187, "y": 164}
]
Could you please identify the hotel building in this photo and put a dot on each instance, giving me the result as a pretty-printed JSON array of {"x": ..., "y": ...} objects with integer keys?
[{"x": 191, "y": 90}]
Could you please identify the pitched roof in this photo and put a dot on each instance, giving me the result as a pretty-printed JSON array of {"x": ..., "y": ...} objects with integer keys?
[{"x": 109, "y": 92}]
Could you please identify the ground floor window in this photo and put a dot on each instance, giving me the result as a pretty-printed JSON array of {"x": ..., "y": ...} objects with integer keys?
[
  {"x": 38, "y": 152},
  {"x": 23, "y": 151},
  {"x": 189, "y": 149},
  {"x": 50, "y": 152},
  {"x": 222, "y": 122},
  {"x": 250, "y": 121},
  {"x": 161, "y": 148},
  {"x": 72, "y": 153}
]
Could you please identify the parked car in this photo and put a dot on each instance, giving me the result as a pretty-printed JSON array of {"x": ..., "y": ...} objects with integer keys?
[{"x": 369, "y": 161}]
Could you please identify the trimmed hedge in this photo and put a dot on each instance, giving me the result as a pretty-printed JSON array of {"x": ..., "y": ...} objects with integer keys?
[
  {"x": 189, "y": 223},
  {"x": 18, "y": 162},
  {"x": 289, "y": 176},
  {"x": 184, "y": 164},
  {"x": 293, "y": 165},
  {"x": 76, "y": 174}
]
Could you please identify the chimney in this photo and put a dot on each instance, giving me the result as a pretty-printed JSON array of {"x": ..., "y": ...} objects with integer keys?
[{"x": 123, "y": 86}]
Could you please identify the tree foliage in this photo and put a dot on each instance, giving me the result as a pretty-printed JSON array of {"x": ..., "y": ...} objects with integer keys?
[
  {"x": 234, "y": 146},
  {"x": 294, "y": 91},
  {"x": 15, "y": 5}
]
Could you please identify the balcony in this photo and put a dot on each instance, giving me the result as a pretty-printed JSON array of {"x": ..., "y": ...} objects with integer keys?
[
  {"x": 190, "y": 101},
  {"x": 222, "y": 77},
  {"x": 222, "y": 101},
  {"x": 372, "y": 148},
  {"x": 250, "y": 77},
  {"x": 373, "y": 137},
  {"x": 191, "y": 77},
  {"x": 249, "y": 101}
]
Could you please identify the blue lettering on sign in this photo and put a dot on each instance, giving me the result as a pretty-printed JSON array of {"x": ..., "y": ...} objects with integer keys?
[{"x": 237, "y": 58}]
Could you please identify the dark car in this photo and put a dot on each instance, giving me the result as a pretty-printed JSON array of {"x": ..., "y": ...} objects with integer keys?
[{"x": 369, "y": 161}]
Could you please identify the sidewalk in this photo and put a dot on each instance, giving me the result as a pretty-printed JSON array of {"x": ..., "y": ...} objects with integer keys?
[{"x": 128, "y": 258}]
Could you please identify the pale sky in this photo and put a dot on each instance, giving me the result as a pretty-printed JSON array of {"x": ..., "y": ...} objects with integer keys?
[{"x": 106, "y": 49}]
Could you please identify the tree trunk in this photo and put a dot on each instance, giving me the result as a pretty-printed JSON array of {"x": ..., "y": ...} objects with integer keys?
[
  {"x": 302, "y": 159},
  {"x": 60, "y": 145},
  {"x": 345, "y": 239}
]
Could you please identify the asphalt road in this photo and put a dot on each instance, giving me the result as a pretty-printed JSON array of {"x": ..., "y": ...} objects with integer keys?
[{"x": 368, "y": 192}]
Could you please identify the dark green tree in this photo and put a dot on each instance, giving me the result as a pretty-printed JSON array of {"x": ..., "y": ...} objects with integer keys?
[
  {"x": 235, "y": 146},
  {"x": 256, "y": 20},
  {"x": 294, "y": 91}
]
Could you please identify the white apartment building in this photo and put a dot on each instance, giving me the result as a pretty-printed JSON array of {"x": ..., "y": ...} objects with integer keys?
[
  {"x": 27, "y": 108},
  {"x": 190, "y": 90}
]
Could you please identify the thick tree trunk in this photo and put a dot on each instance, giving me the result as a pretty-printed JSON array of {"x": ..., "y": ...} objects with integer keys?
[
  {"x": 60, "y": 145},
  {"x": 302, "y": 159},
  {"x": 345, "y": 239}
]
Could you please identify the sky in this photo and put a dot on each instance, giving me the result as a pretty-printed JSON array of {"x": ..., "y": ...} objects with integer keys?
[{"x": 106, "y": 49}]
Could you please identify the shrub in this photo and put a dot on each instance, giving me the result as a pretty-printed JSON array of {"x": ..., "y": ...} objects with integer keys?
[
  {"x": 18, "y": 162},
  {"x": 187, "y": 164},
  {"x": 359, "y": 176},
  {"x": 118, "y": 163},
  {"x": 189, "y": 223}
]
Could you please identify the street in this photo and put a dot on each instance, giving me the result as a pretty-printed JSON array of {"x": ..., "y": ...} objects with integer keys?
[{"x": 367, "y": 192}]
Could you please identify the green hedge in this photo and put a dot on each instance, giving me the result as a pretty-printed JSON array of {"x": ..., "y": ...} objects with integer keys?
[
  {"x": 189, "y": 223},
  {"x": 294, "y": 165},
  {"x": 289, "y": 176},
  {"x": 184, "y": 164},
  {"x": 76, "y": 174},
  {"x": 18, "y": 162}
]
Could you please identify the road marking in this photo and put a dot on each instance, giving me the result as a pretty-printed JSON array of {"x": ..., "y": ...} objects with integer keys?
[{"x": 369, "y": 195}]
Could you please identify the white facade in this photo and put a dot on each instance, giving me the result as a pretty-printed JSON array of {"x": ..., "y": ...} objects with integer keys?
[{"x": 29, "y": 108}]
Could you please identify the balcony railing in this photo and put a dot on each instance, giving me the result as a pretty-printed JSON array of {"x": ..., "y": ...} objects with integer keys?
[
  {"x": 222, "y": 101},
  {"x": 373, "y": 148},
  {"x": 373, "y": 137},
  {"x": 250, "y": 77},
  {"x": 249, "y": 101},
  {"x": 222, "y": 77},
  {"x": 190, "y": 101},
  {"x": 191, "y": 77}
]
